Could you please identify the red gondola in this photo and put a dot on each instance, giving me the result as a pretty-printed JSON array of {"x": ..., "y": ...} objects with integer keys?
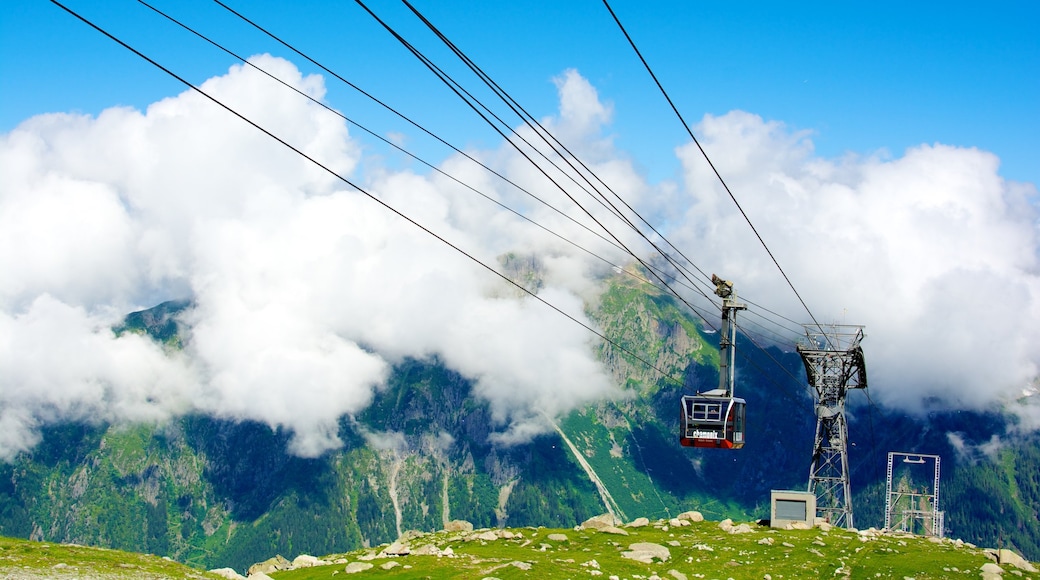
[{"x": 713, "y": 421}]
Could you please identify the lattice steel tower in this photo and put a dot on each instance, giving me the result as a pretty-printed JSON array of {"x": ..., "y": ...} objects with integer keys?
[{"x": 834, "y": 364}]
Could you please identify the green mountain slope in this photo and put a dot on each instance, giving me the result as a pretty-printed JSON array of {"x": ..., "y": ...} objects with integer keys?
[{"x": 216, "y": 493}]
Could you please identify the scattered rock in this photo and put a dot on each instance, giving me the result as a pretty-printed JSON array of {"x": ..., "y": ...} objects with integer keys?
[
  {"x": 1007, "y": 557},
  {"x": 614, "y": 530},
  {"x": 307, "y": 561},
  {"x": 646, "y": 552},
  {"x": 766, "y": 541},
  {"x": 522, "y": 565},
  {"x": 426, "y": 550},
  {"x": 396, "y": 549},
  {"x": 797, "y": 526},
  {"x": 677, "y": 575},
  {"x": 726, "y": 525},
  {"x": 599, "y": 522},
  {"x": 557, "y": 538},
  {"x": 825, "y": 527},
  {"x": 638, "y": 523},
  {"x": 487, "y": 536},
  {"x": 692, "y": 516},
  {"x": 355, "y": 567},
  {"x": 673, "y": 543},
  {"x": 787, "y": 545},
  {"x": 270, "y": 565},
  {"x": 228, "y": 573},
  {"x": 991, "y": 571},
  {"x": 741, "y": 529},
  {"x": 390, "y": 565},
  {"x": 458, "y": 526}
]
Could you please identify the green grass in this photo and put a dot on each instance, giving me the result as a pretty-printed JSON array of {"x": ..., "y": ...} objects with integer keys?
[
  {"x": 700, "y": 550},
  {"x": 27, "y": 559}
]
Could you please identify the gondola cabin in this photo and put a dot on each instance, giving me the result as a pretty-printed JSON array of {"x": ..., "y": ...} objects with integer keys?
[{"x": 712, "y": 421}]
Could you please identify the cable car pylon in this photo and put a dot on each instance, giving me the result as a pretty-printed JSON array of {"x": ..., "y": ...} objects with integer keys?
[
  {"x": 834, "y": 364},
  {"x": 715, "y": 419}
]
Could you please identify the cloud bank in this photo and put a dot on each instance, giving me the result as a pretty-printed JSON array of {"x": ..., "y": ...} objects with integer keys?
[
  {"x": 306, "y": 292},
  {"x": 933, "y": 251}
]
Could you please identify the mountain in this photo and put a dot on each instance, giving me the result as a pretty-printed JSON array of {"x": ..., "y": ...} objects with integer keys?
[{"x": 214, "y": 492}]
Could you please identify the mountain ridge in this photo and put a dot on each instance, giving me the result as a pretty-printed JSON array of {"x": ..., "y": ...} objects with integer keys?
[{"x": 212, "y": 491}]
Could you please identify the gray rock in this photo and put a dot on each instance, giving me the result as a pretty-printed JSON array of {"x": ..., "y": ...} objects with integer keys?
[
  {"x": 991, "y": 571},
  {"x": 646, "y": 552},
  {"x": 1010, "y": 558},
  {"x": 307, "y": 561},
  {"x": 397, "y": 549},
  {"x": 638, "y": 523},
  {"x": 390, "y": 565},
  {"x": 355, "y": 567},
  {"x": 692, "y": 516},
  {"x": 557, "y": 537},
  {"x": 599, "y": 522},
  {"x": 270, "y": 565},
  {"x": 228, "y": 573},
  {"x": 614, "y": 530},
  {"x": 458, "y": 526}
]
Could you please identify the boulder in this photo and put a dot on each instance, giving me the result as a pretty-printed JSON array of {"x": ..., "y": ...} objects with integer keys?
[
  {"x": 355, "y": 567},
  {"x": 638, "y": 523},
  {"x": 614, "y": 530},
  {"x": 270, "y": 565},
  {"x": 741, "y": 529},
  {"x": 557, "y": 537},
  {"x": 599, "y": 522},
  {"x": 692, "y": 516},
  {"x": 458, "y": 526},
  {"x": 646, "y": 552},
  {"x": 307, "y": 561},
  {"x": 726, "y": 525},
  {"x": 1009, "y": 558},
  {"x": 991, "y": 571},
  {"x": 398, "y": 548},
  {"x": 228, "y": 573}
]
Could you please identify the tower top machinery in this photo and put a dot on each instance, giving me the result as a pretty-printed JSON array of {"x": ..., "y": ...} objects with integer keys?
[{"x": 834, "y": 364}]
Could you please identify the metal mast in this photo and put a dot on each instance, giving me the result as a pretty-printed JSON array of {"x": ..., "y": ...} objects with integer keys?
[
  {"x": 834, "y": 364},
  {"x": 905, "y": 507},
  {"x": 728, "y": 333}
]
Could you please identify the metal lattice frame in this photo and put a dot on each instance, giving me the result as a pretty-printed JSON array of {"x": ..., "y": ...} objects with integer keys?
[
  {"x": 834, "y": 364},
  {"x": 923, "y": 506}
]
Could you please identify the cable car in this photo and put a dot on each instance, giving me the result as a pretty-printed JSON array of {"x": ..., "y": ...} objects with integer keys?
[
  {"x": 715, "y": 419},
  {"x": 712, "y": 420}
]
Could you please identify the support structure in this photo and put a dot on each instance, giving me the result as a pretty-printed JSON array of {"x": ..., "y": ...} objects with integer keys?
[
  {"x": 834, "y": 364},
  {"x": 727, "y": 334},
  {"x": 913, "y": 509}
]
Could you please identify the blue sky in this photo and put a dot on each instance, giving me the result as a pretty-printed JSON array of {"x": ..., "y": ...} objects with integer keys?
[
  {"x": 861, "y": 77},
  {"x": 896, "y": 218}
]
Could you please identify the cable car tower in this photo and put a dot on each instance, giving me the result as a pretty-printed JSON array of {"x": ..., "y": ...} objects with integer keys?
[
  {"x": 834, "y": 364},
  {"x": 715, "y": 418}
]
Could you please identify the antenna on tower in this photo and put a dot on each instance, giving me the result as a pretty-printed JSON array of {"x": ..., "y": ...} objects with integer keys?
[{"x": 834, "y": 364}]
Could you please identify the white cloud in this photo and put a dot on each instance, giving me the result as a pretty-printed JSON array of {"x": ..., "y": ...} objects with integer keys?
[
  {"x": 306, "y": 292},
  {"x": 932, "y": 251}
]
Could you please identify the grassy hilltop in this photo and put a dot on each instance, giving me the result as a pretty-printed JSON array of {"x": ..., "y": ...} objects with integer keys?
[{"x": 667, "y": 549}]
